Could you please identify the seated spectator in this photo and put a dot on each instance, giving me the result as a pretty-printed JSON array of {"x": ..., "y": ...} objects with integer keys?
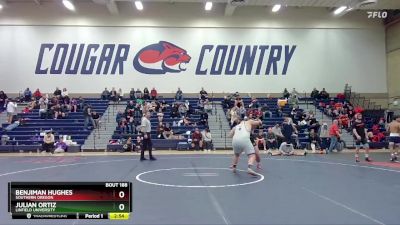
[
  {"x": 37, "y": 94},
  {"x": 314, "y": 94},
  {"x": 139, "y": 143},
  {"x": 26, "y": 110},
  {"x": 146, "y": 94},
  {"x": 132, "y": 94},
  {"x": 285, "y": 94},
  {"x": 74, "y": 105},
  {"x": 120, "y": 95},
  {"x": 376, "y": 135},
  {"x": 207, "y": 137},
  {"x": 27, "y": 95},
  {"x": 123, "y": 126},
  {"x": 11, "y": 109},
  {"x": 153, "y": 94},
  {"x": 113, "y": 95},
  {"x": 204, "y": 119},
  {"x": 239, "y": 102},
  {"x": 197, "y": 140},
  {"x": 203, "y": 94},
  {"x": 43, "y": 106},
  {"x": 271, "y": 139},
  {"x": 260, "y": 141},
  {"x": 138, "y": 94},
  {"x": 254, "y": 104},
  {"x": 119, "y": 116},
  {"x": 266, "y": 112},
  {"x": 182, "y": 110},
  {"x": 128, "y": 146},
  {"x": 60, "y": 146},
  {"x": 179, "y": 94},
  {"x": 57, "y": 92},
  {"x": 315, "y": 141},
  {"x": 226, "y": 103},
  {"x": 96, "y": 118},
  {"x": 64, "y": 93},
  {"x": 168, "y": 133},
  {"x": 160, "y": 130},
  {"x": 3, "y": 100},
  {"x": 175, "y": 111},
  {"x": 105, "y": 95},
  {"x": 278, "y": 133},
  {"x": 187, "y": 121},
  {"x": 323, "y": 94},
  {"x": 48, "y": 142},
  {"x": 160, "y": 116}
]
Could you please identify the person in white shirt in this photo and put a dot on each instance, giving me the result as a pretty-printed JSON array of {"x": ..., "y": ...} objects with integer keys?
[
  {"x": 64, "y": 93},
  {"x": 146, "y": 134},
  {"x": 11, "y": 108},
  {"x": 207, "y": 138}
]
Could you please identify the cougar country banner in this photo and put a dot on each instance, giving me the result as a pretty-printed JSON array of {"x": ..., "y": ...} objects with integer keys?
[{"x": 87, "y": 59}]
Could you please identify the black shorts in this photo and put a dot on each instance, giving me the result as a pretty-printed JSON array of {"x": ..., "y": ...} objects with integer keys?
[
  {"x": 394, "y": 139},
  {"x": 363, "y": 141}
]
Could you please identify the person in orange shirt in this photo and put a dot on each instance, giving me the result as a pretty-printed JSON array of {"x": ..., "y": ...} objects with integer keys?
[{"x": 334, "y": 134}]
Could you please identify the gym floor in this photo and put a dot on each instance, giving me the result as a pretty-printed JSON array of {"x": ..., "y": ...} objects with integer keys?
[{"x": 200, "y": 189}]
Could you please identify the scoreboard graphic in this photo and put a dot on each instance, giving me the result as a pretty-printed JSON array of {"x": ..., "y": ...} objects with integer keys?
[{"x": 70, "y": 200}]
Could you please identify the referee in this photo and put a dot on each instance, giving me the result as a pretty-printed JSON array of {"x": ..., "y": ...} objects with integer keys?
[{"x": 146, "y": 135}]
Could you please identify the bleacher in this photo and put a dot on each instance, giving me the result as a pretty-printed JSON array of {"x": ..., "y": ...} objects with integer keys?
[
  {"x": 27, "y": 136},
  {"x": 163, "y": 143}
]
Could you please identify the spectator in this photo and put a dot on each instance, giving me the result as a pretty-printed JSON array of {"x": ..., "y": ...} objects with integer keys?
[
  {"x": 323, "y": 94},
  {"x": 146, "y": 94},
  {"x": 207, "y": 137},
  {"x": 37, "y": 94},
  {"x": 113, "y": 94},
  {"x": 315, "y": 141},
  {"x": 204, "y": 119},
  {"x": 179, "y": 94},
  {"x": 168, "y": 133},
  {"x": 153, "y": 94},
  {"x": 226, "y": 103},
  {"x": 278, "y": 133},
  {"x": 334, "y": 134},
  {"x": 160, "y": 130},
  {"x": 60, "y": 146},
  {"x": 64, "y": 93},
  {"x": 119, "y": 116},
  {"x": 48, "y": 142},
  {"x": 271, "y": 139},
  {"x": 3, "y": 100},
  {"x": 254, "y": 103},
  {"x": 182, "y": 110},
  {"x": 57, "y": 92},
  {"x": 203, "y": 94},
  {"x": 11, "y": 108},
  {"x": 105, "y": 95},
  {"x": 260, "y": 140},
  {"x": 96, "y": 119},
  {"x": 266, "y": 111},
  {"x": 27, "y": 95},
  {"x": 285, "y": 94},
  {"x": 132, "y": 94},
  {"x": 197, "y": 140},
  {"x": 324, "y": 136},
  {"x": 74, "y": 105},
  {"x": 138, "y": 94},
  {"x": 120, "y": 95},
  {"x": 123, "y": 126},
  {"x": 87, "y": 113},
  {"x": 288, "y": 131},
  {"x": 314, "y": 94},
  {"x": 129, "y": 146},
  {"x": 294, "y": 92},
  {"x": 293, "y": 100},
  {"x": 43, "y": 106}
]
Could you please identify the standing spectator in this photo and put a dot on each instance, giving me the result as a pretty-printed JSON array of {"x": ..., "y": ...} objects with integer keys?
[
  {"x": 288, "y": 131},
  {"x": 146, "y": 135},
  {"x": 146, "y": 94},
  {"x": 203, "y": 94},
  {"x": 334, "y": 134},
  {"x": 197, "y": 140},
  {"x": 179, "y": 94},
  {"x": 294, "y": 92},
  {"x": 207, "y": 137},
  {"x": 153, "y": 93},
  {"x": 324, "y": 136},
  {"x": 37, "y": 94},
  {"x": 323, "y": 94},
  {"x": 132, "y": 94},
  {"x": 87, "y": 113},
  {"x": 11, "y": 108},
  {"x": 48, "y": 142},
  {"x": 314, "y": 94},
  {"x": 57, "y": 92},
  {"x": 286, "y": 93},
  {"x": 96, "y": 119},
  {"x": 272, "y": 142},
  {"x": 27, "y": 95},
  {"x": 105, "y": 95},
  {"x": 3, "y": 100}
]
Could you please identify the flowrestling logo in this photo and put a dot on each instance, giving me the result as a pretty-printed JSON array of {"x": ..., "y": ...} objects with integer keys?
[{"x": 161, "y": 58}]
